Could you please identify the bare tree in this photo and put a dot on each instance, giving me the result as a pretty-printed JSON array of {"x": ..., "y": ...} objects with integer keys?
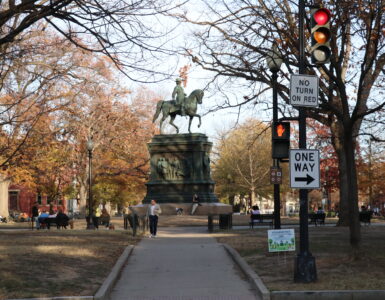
[
  {"x": 127, "y": 31},
  {"x": 243, "y": 160},
  {"x": 232, "y": 41}
]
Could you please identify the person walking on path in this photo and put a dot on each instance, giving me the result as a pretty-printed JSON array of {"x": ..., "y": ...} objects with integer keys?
[
  {"x": 153, "y": 213},
  {"x": 195, "y": 204}
]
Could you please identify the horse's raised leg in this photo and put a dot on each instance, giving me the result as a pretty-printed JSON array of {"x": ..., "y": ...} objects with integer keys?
[
  {"x": 191, "y": 117},
  {"x": 172, "y": 123},
  {"x": 164, "y": 116},
  {"x": 189, "y": 123}
]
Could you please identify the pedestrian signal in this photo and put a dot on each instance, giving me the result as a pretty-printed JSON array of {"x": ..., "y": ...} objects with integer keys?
[{"x": 280, "y": 140}]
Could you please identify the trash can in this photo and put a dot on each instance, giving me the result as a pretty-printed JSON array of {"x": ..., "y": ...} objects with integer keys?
[
  {"x": 225, "y": 221},
  {"x": 210, "y": 223}
]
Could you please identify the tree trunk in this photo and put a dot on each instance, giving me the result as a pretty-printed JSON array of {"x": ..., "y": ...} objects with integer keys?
[
  {"x": 343, "y": 211},
  {"x": 352, "y": 193},
  {"x": 345, "y": 145},
  {"x": 4, "y": 184},
  {"x": 253, "y": 196},
  {"x": 339, "y": 146}
]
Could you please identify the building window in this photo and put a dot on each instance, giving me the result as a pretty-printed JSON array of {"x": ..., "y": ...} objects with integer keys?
[
  {"x": 13, "y": 200},
  {"x": 39, "y": 198}
]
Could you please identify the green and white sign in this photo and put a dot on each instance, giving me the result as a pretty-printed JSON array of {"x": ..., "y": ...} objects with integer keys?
[{"x": 281, "y": 240}]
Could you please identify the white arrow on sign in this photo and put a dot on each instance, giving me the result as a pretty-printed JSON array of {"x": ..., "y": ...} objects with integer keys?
[{"x": 304, "y": 169}]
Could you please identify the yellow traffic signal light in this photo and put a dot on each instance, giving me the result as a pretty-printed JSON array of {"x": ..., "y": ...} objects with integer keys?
[{"x": 320, "y": 35}]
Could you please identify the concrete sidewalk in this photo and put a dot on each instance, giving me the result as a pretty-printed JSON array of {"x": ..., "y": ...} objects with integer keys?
[{"x": 181, "y": 263}]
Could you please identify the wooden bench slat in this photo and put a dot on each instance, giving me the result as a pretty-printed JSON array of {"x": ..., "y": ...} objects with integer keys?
[{"x": 261, "y": 218}]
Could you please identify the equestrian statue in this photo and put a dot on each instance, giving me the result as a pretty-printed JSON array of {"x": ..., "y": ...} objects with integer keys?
[{"x": 180, "y": 105}]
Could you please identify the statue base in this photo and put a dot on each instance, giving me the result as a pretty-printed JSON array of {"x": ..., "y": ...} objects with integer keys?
[
  {"x": 168, "y": 209},
  {"x": 180, "y": 168}
]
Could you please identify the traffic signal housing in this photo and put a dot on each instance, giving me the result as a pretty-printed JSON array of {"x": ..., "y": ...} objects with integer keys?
[
  {"x": 280, "y": 140},
  {"x": 320, "y": 36}
]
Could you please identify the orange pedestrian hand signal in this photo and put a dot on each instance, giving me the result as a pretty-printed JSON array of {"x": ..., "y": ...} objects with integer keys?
[
  {"x": 280, "y": 140},
  {"x": 280, "y": 130}
]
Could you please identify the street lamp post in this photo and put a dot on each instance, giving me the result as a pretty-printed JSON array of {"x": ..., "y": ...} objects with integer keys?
[
  {"x": 90, "y": 148},
  {"x": 274, "y": 62}
]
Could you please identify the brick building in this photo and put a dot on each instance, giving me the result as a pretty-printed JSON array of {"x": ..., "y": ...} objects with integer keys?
[{"x": 21, "y": 199}]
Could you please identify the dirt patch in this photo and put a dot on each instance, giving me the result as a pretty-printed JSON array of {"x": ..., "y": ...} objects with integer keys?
[
  {"x": 57, "y": 263},
  {"x": 330, "y": 245}
]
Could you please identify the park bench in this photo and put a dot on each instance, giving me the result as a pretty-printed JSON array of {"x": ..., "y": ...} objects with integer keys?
[
  {"x": 261, "y": 219},
  {"x": 317, "y": 219},
  {"x": 365, "y": 217},
  {"x": 48, "y": 222}
]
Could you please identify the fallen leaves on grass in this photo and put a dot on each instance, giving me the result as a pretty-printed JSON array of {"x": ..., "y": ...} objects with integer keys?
[
  {"x": 336, "y": 269},
  {"x": 57, "y": 263}
]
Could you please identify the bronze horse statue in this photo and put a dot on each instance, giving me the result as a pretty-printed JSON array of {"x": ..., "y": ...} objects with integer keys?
[{"x": 170, "y": 108}]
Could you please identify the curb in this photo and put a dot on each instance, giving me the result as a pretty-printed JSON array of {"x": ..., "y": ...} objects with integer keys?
[
  {"x": 105, "y": 289},
  {"x": 60, "y": 298},
  {"x": 255, "y": 280}
]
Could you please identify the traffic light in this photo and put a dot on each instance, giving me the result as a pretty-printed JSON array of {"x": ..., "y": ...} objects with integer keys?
[
  {"x": 281, "y": 140},
  {"x": 320, "y": 35}
]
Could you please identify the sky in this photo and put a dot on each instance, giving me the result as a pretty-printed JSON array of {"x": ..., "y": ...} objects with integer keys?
[{"x": 212, "y": 123}]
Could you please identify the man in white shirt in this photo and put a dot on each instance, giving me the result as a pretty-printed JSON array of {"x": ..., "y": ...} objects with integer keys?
[{"x": 153, "y": 212}]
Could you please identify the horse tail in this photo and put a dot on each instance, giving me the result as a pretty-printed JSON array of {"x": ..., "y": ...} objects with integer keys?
[{"x": 158, "y": 110}]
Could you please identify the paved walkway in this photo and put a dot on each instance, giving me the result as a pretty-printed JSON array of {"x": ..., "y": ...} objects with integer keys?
[{"x": 181, "y": 263}]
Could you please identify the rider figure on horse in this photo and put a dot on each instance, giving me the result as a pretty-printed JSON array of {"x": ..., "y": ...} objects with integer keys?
[{"x": 179, "y": 96}]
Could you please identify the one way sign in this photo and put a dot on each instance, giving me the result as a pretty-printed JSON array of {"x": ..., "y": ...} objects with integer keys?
[{"x": 304, "y": 169}]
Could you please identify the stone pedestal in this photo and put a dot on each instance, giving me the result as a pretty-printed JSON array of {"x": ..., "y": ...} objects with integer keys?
[
  {"x": 169, "y": 209},
  {"x": 180, "y": 168}
]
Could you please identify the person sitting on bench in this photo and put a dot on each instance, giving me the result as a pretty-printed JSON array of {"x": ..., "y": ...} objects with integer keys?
[
  {"x": 42, "y": 219},
  {"x": 61, "y": 219},
  {"x": 255, "y": 211},
  {"x": 105, "y": 218}
]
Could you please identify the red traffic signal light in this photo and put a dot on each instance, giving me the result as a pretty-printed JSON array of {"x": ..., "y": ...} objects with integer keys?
[
  {"x": 321, "y": 16},
  {"x": 320, "y": 35}
]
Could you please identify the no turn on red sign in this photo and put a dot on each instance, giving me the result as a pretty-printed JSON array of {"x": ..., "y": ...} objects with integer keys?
[
  {"x": 304, "y": 90},
  {"x": 304, "y": 169}
]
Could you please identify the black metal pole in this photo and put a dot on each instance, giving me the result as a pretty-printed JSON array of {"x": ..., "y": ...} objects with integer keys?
[
  {"x": 305, "y": 267},
  {"x": 327, "y": 191},
  {"x": 277, "y": 200},
  {"x": 90, "y": 224}
]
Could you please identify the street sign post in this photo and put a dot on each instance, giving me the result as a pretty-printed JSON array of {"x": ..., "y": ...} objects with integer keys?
[
  {"x": 304, "y": 169},
  {"x": 304, "y": 90},
  {"x": 305, "y": 269}
]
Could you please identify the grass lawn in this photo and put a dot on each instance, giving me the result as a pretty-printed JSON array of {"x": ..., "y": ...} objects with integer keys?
[
  {"x": 330, "y": 246},
  {"x": 57, "y": 262}
]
